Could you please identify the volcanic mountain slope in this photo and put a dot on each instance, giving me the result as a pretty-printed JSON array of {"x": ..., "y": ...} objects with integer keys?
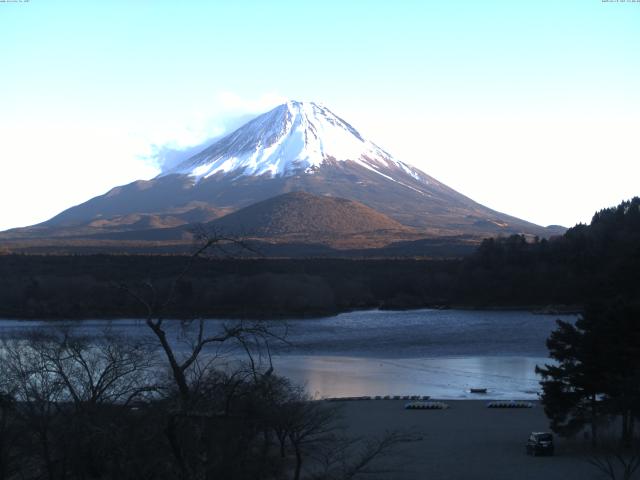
[
  {"x": 296, "y": 217},
  {"x": 300, "y": 216},
  {"x": 294, "y": 147}
]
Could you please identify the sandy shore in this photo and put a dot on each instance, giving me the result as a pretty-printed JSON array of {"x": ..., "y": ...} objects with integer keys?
[{"x": 467, "y": 441}]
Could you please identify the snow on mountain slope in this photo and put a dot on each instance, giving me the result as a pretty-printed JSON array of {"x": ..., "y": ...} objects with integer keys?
[{"x": 292, "y": 138}]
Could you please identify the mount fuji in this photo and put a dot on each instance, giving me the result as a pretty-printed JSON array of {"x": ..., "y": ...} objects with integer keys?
[
  {"x": 296, "y": 147},
  {"x": 293, "y": 138}
]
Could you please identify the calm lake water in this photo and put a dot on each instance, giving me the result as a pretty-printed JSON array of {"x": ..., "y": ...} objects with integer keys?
[{"x": 442, "y": 353}]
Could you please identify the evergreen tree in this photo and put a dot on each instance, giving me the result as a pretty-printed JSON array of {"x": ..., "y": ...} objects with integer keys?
[
  {"x": 597, "y": 372},
  {"x": 572, "y": 389}
]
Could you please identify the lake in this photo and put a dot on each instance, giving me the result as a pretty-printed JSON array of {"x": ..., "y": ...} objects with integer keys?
[{"x": 442, "y": 353}]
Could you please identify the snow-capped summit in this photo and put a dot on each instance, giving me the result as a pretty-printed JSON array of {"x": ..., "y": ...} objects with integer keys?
[{"x": 292, "y": 138}]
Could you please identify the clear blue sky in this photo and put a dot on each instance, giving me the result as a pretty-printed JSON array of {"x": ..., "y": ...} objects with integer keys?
[{"x": 530, "y": 107}]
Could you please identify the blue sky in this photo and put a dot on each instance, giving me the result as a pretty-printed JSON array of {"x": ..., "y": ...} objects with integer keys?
[{"x": 531, "y": 108}]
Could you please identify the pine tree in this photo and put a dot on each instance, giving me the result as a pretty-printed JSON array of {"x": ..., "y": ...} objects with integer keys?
[
  {"x": 573, "y": 388},
  {"x": 597, "y": 373}
]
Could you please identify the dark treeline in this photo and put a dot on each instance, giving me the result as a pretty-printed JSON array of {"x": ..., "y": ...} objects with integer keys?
[
  {"x": 89, "y": 286},
  {"x": 600, "y": 260},
  {"x": 596, "y": 261}
]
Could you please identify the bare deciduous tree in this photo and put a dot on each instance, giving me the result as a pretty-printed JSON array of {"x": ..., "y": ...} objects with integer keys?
[
  {"x": 111, "y": 369},
  {"x": 38, "y": 396},
  {"x": 156, "y": 305},
  {"x": 193, "y": 365}
]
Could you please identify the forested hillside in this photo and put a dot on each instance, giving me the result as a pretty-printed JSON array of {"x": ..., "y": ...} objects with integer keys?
[{"x": 600, "y": 260}]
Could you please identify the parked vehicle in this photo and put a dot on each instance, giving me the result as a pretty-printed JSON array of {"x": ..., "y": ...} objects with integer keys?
[{"x": 540, "y": 443}]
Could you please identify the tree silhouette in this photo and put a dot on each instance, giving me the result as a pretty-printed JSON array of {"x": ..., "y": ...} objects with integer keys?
[{"x": 597, "y": 371}]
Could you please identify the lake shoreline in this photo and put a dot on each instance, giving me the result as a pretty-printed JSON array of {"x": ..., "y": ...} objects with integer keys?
[{"x": 535, "y": 309}]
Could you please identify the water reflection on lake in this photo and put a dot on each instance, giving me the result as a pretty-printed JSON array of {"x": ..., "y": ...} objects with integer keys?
[
  {"x": 444, "y": 377},
  {"x": 423, "y": 352}
]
